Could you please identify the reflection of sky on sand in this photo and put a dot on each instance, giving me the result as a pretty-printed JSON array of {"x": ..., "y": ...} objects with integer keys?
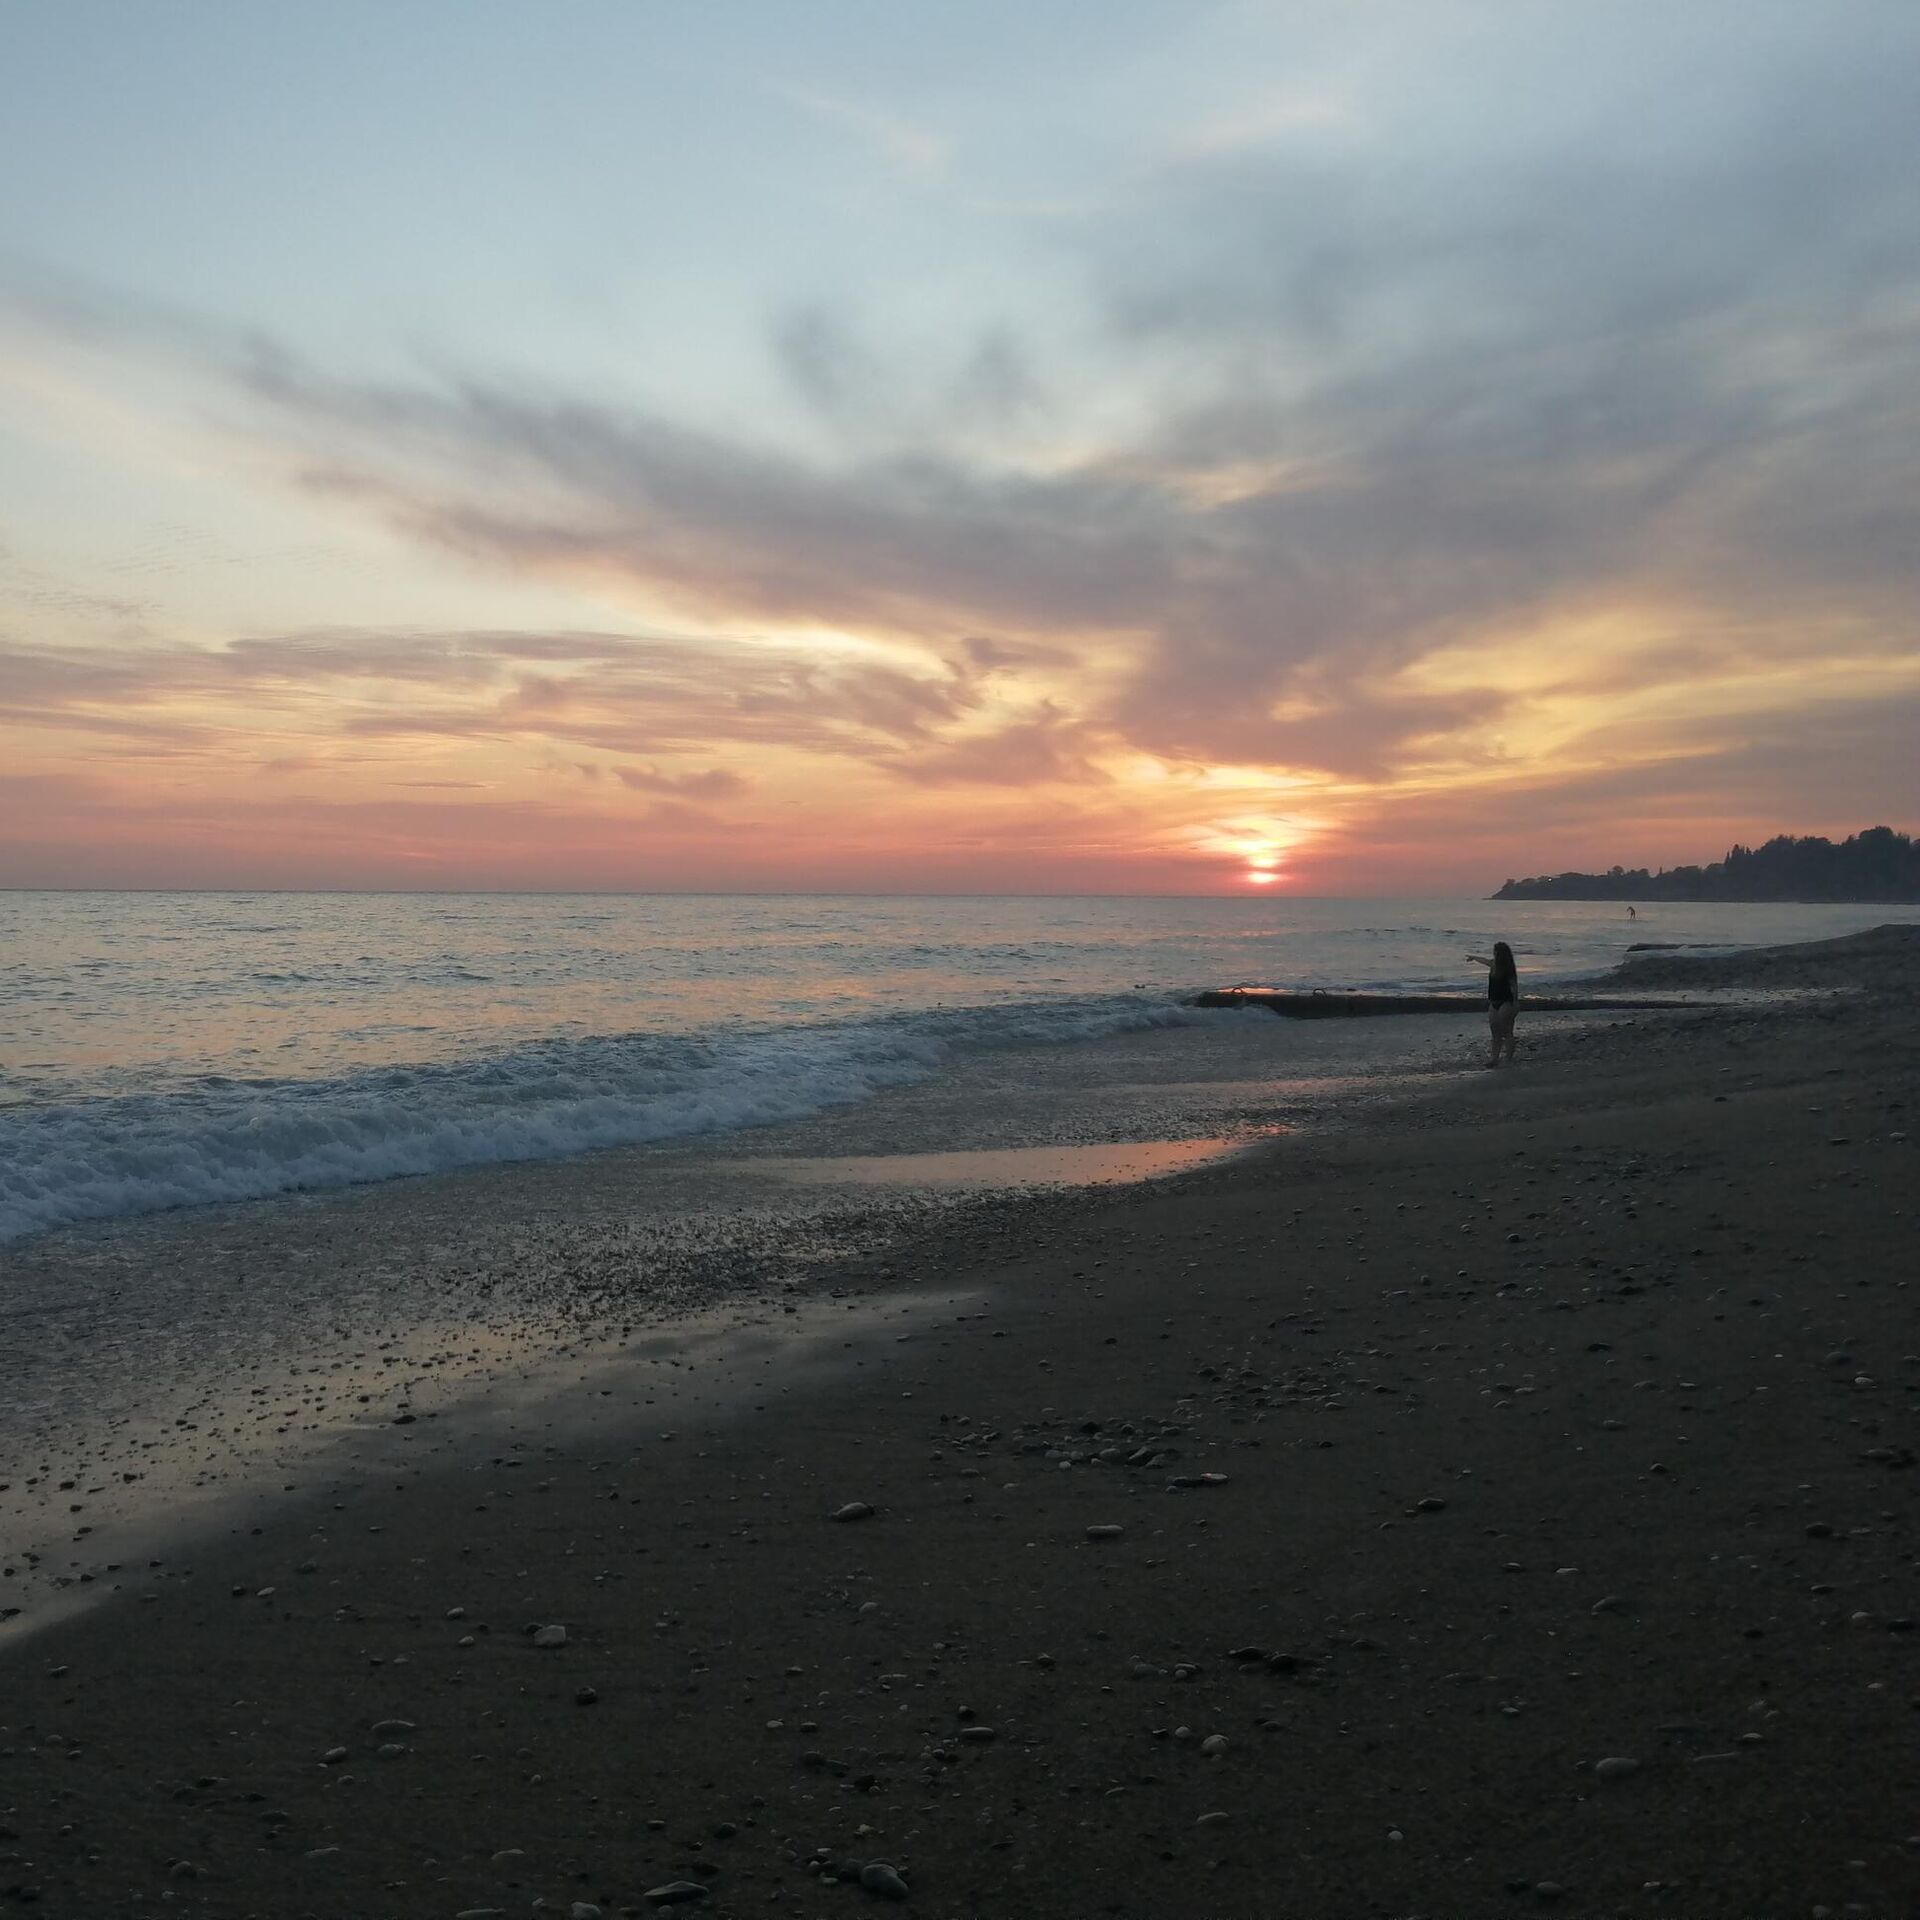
[{"x": 991, "y": 1167}]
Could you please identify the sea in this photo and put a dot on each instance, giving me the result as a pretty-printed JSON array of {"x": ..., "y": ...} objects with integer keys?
[{"x": 164, "y": 1051}]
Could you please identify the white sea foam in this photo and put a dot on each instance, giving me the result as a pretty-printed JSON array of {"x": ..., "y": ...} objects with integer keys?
[{"x": 143, "y": 1153}]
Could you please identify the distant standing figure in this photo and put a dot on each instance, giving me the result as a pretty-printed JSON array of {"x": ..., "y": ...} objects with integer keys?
[
  {"x": 1633, "y": 913},
  {"x": 1503, "y": 1000}
]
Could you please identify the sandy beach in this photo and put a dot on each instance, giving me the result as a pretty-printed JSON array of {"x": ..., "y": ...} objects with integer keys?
[{"x": 1503, "y": 1506}]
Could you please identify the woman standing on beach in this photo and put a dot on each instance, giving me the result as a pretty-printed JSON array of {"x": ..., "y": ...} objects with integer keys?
[{"x": 1503, "y": 999}]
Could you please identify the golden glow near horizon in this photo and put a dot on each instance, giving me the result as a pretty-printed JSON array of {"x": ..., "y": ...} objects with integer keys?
[{"x": 887, "y": 508}]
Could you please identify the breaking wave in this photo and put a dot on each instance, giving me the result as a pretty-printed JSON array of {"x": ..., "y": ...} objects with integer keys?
[{"x": 218, "y": 1140}]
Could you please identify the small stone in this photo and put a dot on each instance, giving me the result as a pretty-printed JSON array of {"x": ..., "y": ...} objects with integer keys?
[
  {"x": 508, "y": 1857},
  {"x": 333, "y": 1756},
  {"x": 978, "y": 1735},
  {"x": 1615, "y": 1767},
  {"x": 1215, "y": 1819},
  {"x": 391, "y": 1729},
  {"x": 549, "y": 1636},
  {"x": 674, "y": 1893},
  {"x": 1105, "y": 1533},
  {"x": 853, "y": 1510},
  {"x": 878, "y": 1877},
  {"x": 1431, "y": 1504},
  {"x": 583, "y": 1910},
  {"x": 1214, "y": 1745},
  {"x": 585, "y": 1697}
]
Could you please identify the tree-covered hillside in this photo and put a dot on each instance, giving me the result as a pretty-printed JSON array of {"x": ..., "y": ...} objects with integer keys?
[{"x": 1878, "y": 864}]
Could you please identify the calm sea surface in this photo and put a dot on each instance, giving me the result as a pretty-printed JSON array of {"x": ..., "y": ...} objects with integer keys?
[{"x": 162, "y": 1050}]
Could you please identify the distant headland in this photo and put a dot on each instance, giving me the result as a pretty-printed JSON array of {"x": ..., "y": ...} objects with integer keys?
[{"x": 1877, "y": 865}]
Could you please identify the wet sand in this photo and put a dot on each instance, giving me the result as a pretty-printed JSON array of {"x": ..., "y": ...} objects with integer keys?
[{"x": 1500, "y": 1508}]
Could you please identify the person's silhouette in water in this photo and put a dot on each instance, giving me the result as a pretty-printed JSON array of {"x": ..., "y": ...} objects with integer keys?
[{"x": 1503, "y": 1000}]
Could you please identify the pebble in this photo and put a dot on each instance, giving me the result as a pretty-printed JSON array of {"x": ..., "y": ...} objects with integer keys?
[
  {"x": 978, "y": 1735},
  {"x": 391, "y": 1729},
  {"x": 550, "y": 1636},
  {"x": 1615, "y": 1767},
  {"x": 333, "y": 1756},
  {"x": 1214, "y": 1745},
  {"x": 674, "y": 1892},
  {"x": 583, "y": 1910},
  {"x": 1215, "y": 1819},
  {"x": 853, "y": 1510},
  {"x": 1105, "y": 1533},
  {"x": 878, "y": 1877}
]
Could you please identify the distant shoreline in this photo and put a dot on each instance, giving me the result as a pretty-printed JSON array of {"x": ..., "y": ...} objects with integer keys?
[
  {"x": 1558, "y": 889},
  {"x": 1874, "y": 868}
]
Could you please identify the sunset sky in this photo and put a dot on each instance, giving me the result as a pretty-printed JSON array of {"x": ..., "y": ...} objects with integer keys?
[{"x": 1338, "y": 448}]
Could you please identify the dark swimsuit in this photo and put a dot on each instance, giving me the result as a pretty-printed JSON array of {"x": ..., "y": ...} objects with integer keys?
[{"x": 1499, "y": 991}]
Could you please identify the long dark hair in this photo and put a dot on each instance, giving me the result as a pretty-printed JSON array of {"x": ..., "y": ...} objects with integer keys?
[{"x": 1503, "y": 967}]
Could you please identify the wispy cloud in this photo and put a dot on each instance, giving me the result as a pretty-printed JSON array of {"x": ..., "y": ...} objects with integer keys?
[
  {"x": 903, "y": 143},
  {"x": 714, "y": 783}
]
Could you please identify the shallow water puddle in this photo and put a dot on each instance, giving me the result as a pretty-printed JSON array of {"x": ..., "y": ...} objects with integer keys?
[{"x": 1046, "y": 1166}]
